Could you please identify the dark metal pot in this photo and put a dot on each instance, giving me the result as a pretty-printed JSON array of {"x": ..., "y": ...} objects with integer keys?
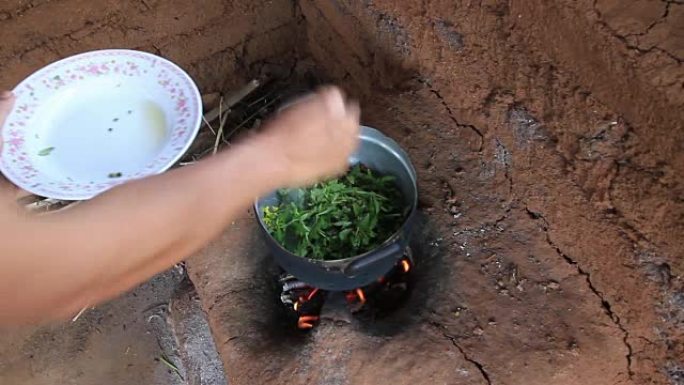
[{"x": 383, "y": 155}]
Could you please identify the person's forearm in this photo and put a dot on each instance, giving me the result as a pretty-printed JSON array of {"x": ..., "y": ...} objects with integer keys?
[
  {"x": 103, "y": 247},
  {"x": 54, "y": 265}
]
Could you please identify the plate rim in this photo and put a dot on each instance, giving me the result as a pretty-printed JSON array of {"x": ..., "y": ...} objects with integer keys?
[{"x": 79, "y": 196}]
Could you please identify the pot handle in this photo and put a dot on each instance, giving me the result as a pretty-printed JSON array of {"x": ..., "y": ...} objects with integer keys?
[{"x": 355, "y": 267}]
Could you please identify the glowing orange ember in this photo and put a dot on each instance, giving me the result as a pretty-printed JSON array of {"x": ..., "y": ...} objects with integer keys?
[
  {"x": 405, "y": 265},
  {"x": 306, "y": 321},
  {"x": 312, "y": 294},
  {"x": 361, "y": 295}
]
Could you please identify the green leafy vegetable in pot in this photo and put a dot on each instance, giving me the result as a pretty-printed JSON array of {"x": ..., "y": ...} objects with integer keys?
[{"x": 340, "y": 218}]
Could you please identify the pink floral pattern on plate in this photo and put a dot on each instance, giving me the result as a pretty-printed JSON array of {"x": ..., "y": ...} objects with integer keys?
[{"x": 19, "y": 167}]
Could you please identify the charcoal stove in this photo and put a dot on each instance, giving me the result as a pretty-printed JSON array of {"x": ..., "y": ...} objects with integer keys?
[
  {"x": 381, "y": 272},
  {"x": 306, "y": 302}
]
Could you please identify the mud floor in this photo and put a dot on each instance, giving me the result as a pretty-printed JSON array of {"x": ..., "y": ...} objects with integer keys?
[
  {"x": 126, "y": 341},
  {"x": 548, "y": 140}
]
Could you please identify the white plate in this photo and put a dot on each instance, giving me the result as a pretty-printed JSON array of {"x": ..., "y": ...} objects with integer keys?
[{"x": 93, "y": 121}]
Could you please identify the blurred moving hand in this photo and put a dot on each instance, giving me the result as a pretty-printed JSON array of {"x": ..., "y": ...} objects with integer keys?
[{"x": 54, "y": 265}]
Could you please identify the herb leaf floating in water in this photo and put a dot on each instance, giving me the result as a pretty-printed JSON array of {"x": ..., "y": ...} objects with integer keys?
[
  {"x": 115, "y": 175},
  {"x": 46, "y": 151},
  {"x": 337, "y": 219}
]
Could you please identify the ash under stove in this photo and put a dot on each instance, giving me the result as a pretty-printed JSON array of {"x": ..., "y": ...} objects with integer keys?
[{"x": 308, "y": 304}]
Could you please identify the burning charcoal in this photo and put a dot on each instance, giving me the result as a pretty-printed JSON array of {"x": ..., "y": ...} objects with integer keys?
[
  {"x": 381, "y": 297},
  {"x": 307, "y": 322}
]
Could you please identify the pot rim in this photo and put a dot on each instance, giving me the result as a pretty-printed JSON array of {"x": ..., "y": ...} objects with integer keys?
[{"x": 371, "y": 134}]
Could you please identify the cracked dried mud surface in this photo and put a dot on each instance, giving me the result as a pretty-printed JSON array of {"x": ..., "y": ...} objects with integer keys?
[{"x": 548, "y": 141}]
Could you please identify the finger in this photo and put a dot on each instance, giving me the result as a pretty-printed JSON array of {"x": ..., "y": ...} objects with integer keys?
[
  {"x": 334, "y": 102},
  {"x": 298, "y": 100},
  {"x": 353, "y": 110},
  {"x": 307, "y": 97},
  {"x": 330, "y": 88},
  {"x": 4, "y": 95},
  {"x": 6, "y": 104}
]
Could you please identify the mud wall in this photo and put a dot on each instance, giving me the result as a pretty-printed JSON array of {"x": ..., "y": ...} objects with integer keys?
[
  {"x": 566, "y": 114},
  {"x": 216, "y": 41},
  {"x": 548, "y": 136}
]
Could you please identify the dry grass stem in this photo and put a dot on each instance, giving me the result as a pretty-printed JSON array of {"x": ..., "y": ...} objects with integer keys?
[
  {"x": 242, "y": 93},
  {"x": 204, "y": 118},
  {"x": 232, "y": 100},
  {"x": 79, "y": 314},
  {"x": 222, "y": 121},
  {"x": 254, "y": 115},
  {"x": 171, "y": 366},
  {"x": 40, "y": 204}
]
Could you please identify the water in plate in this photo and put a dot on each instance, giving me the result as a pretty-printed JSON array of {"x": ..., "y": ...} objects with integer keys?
[{"x": 106, "y": 131}]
